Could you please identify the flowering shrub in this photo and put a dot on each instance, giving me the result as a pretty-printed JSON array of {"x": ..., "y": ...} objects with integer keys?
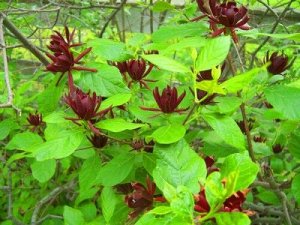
[{"x": 173, "y": 127}]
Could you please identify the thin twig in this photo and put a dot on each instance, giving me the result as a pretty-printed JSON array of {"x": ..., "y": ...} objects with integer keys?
[
  {"x": 53, "y": 194},
  {"x": 10, "y": 95},
  {"x": 13, "y": 29},
  {"x": 111, "y": 16},
  {"x": 253, "y": 55}
]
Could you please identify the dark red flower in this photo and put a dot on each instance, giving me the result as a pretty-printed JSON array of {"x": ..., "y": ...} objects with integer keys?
[
  {"x": 137, "y": 70},
  {"x": 277, "y": 148},
  {"x": 235, "y": 201},
  {"x": 124, "y": 189},
  {"x": 209, "y": 100},
  {"x": 141, "y": 198},
  {"x": 122, "y": 66},
  {"x": 35, "y": 119},
  {"x": 259, "y": 139},
  {"x": 201, "y": 204},
  {"x": 85, "y": 106},
  {"x": 279, "y": 63},
  {"x": 63, "y": 59},
  {"x": 226, "y": 14},
  {"x": 98, "y": 141},
  {"x": 137, "y": 144},
  {"x": 168, "y": 101},
  {"x": 241, "y": 125},
  {"x": 57, "y": 40}
]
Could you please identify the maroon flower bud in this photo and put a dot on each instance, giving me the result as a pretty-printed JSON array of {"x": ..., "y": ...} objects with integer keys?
[
  {"x": 63, "y": 59},
  {"x": 124, "y": 189},
  {"x": 57, "y": 40},
  {"x": 137, "y": 144},
  {"x": 259, "y": 139},
  {"x": 241, "y": 125},
  {"x": 149, "y": 147},
  {"x": 98, "y": 141},
  {"x": 122, "y": 66},
  {"x": 277, "y": 148},
  {"x": 279, "y": 63},
  {"x": 235, "y": 201},
  {"x": 35, "y": 119},
  {"x": 151, "y": 52},
  {"x": 137, "y": 70},
  {"x": 141, "y": 198},
  {"x": 168, "y": 101},
  {"x": 201, "y": 204},
  {"x": 226, "y": 14},
  {"x": 209, "y": 100},
  {"x": 85, "y": 107},
  {"x": 268, "y": 105}
]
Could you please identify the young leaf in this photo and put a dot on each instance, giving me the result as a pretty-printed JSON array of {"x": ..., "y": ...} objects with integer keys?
[
  {"x": 243, "y": 166},
  {"x": 106, "y": 82},
  {"x": 116, "y": 170},
  {"x": 118, "y": 125},
  {"x": 227, "y": 129},
  {"x": 24, "y": 141},
  {"x": 61, "y": 145},
  {"x": 296, "y": 187},
  {"x": 230, "y": 218},
  {"x": 73, "y": 216},
  {"x": 108, "y": 203},
  {"x": 165, "y": 63},
  {"x": 169, "y": 134},
  {"x": 285, "y": 99},
  {"x": 178, "y": 165},
  {"x": 87, "y": 173},
  {"x": 213, "y": 53},
  {"x": 43, "y": 170},
  {"x": 214, "y": 190}
]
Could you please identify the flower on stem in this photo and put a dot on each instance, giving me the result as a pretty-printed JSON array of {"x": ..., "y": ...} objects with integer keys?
[
  {"x": 242, "y": 126},
  {"x": 168, "y": 101},
  {"x": 278, "y": 63},
  {"x": 85, "y": 106},
  {"x": 259, "y": 139},
  {"x": 137, "y": 70},
  {"x": 142, "y": 197},
  {"x": 57, "y": 40},
  {"x": 36, "y": 121},
  {"x": 277, "y": 148},
  {"x": 226, "y": 14},
  {"x": 63, "y": 60},
  {"x": 98, "y": 141},
  {"x": 235, "y": 202}
]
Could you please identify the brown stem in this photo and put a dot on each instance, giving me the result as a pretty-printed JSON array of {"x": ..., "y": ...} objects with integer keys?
[{"x": 13, "y": 29}]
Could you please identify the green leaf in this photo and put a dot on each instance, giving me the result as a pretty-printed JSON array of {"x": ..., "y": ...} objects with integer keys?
[
  {"x": 161, "y": 210},
  {"x": 6, "y": 126},
  {"x": 294, "y": 144},
  {"x": 170, "y": 32},
  {"x": 285, "y": 100},
  {"x": 118, "y": 125},
  {"x": 240, "y": 81},
  {"x": 232, "y": 218},
  {"x": 178, "y": 165},
  {"x": 115, "y": 100},
  {"x": 168, "y": 219},
  {"x": 213, "y": 53},
  {"x": 165, "y": 63},
  {"x": 73, "y": 216},
  {"x": 24, "y": 141},
  {"x": 169, "y": 134},
  {"x": 228, "y": 104},
  {"x": 110, "y": 50},
  {"x": 214, "y": 190},
  {"x": 183, "y": 204},
  {"x": 87, "y": 173},
  {"x": 116, "y": 170},
  {"x": 227, "y": 129},
  {"x": 108, "y": 203},
  {"x": 43, "y": 170},
  {"x": 48, "y": 100},
  {"x": 106, "y": 82},
  {"x": 61, "y": 145},
  {"x": 296, "y": 187},
  {"x": 245, "y": 170},
  {"x": 161, "y": 6}
]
